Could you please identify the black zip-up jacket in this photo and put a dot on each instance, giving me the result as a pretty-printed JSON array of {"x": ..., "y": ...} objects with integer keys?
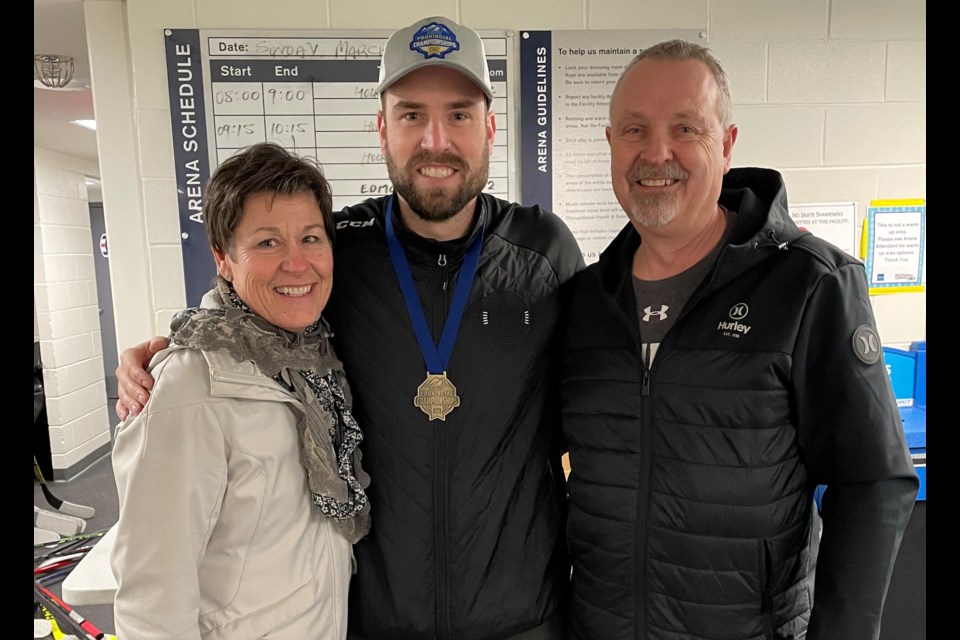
[
  {"x": 692, "y": 482},
  {"x": 467, "y": 536}
]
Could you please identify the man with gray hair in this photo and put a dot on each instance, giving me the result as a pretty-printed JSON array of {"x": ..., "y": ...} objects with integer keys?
[{"x": 719, "y": 363}]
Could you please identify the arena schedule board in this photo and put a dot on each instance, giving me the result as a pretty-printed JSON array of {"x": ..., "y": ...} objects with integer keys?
[{"x": 313, "y": 92}]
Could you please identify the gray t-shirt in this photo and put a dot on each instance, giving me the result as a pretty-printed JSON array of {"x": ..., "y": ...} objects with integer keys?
[{"x": 659, "y": 301}]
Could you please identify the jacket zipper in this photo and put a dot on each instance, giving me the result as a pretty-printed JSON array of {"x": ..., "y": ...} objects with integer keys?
[
  {"x": 646, "y": 464},
  {"x": 766, "y": 600},
  {"x": 643, "y": 494},
  {"x": 645, "y": 386},
  {"x": 640, "y": 549},
  {"x": 440, "y": 312}
]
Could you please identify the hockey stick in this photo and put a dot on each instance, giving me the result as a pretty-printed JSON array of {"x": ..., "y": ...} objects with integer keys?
[
  {"x": 83, "y": 536},
  {"x": 56, "y": 564},
  {"x": 55, "y": 630},
  {"x": 79, "y": 510},
  {"x": 81, "y": 544},
  {"x": 80, "y": 625}
]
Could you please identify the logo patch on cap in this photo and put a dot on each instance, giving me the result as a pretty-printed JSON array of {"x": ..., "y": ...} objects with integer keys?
[
  {"x": 434, "y": 40},
  {"x": 866, "y": 344}
]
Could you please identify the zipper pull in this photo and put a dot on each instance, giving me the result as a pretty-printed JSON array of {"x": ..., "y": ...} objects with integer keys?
[
  {"x": 442, "y": 262},
  {"x": 645, "y": 359}
]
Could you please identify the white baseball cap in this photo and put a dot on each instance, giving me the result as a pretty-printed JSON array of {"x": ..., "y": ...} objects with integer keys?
[{"x": 435, "y": 41}]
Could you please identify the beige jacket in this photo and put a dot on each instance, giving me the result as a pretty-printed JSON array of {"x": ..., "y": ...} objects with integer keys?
[{"x": 217, "y": 536}]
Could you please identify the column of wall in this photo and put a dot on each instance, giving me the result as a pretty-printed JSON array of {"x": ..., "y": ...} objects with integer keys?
[{"x": 67, "y": 318}]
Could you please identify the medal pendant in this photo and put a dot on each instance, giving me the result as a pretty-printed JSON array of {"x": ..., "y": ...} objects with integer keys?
[{"x": 437, "y": 396}]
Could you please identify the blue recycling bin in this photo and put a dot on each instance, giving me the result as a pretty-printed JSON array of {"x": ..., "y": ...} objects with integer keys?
[
  {"x": 907, "y": 369},
  {"x": 905, "y": 610},
  {"x": 908, "y": 374}
]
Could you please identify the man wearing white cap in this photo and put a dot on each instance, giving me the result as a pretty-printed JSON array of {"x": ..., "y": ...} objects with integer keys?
[{"x": 445, "y": 310}]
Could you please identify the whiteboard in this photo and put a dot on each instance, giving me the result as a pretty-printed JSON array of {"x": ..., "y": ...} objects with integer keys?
[{"x": 313, "y": 92}]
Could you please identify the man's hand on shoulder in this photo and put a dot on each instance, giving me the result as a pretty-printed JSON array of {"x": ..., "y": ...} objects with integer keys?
[{"x": 133, "y": 381}]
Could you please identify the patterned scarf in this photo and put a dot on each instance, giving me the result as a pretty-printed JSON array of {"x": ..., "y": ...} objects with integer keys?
[{"x": 305, "y": 365}]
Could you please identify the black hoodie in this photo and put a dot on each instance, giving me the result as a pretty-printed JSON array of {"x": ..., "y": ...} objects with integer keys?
[{"x": 692, "y": 482}]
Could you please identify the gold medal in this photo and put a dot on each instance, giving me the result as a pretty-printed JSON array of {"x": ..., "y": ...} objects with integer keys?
[{"x": 437, "y": 396}]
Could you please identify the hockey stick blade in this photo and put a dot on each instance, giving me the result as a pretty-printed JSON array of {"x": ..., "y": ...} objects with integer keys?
[
  {"x": 44, "y": 536},
  {"x": 63, "y": 506},
  {"x": 61, "y": 523}
]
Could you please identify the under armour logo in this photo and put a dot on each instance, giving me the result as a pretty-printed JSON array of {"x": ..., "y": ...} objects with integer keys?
[
  {"x": 661, "y": 315},
  {"x": 866, "y": 344}
]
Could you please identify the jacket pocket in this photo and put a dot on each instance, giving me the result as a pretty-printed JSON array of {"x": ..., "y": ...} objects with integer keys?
[
  {"x": 795, "y": 629},
  {"x": 221, "y": 570}
]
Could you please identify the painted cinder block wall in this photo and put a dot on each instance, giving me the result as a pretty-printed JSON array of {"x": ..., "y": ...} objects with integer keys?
[{"x": 66, "y": 314}]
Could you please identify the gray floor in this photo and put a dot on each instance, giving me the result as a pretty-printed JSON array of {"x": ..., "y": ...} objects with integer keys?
[{"x": 93, "y": 487}]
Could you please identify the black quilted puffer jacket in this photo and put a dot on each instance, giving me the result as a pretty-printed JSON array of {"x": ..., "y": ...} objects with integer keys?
[
  {"x": 691, "y": 493},
  {"x": 467, "y": 537}
]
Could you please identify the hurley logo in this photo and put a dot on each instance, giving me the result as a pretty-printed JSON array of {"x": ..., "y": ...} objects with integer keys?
[
  {"x": 734, "y": 328},
  {"x": 866, "y": 344}
]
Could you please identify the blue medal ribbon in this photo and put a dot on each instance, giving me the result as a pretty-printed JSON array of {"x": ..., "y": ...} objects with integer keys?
[{"x": 436, "y": 357}]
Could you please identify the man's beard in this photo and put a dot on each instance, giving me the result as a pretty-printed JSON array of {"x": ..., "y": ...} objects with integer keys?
[
  {"x": 437, "y": 204},
  {"x": 654, "y": 209}
]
